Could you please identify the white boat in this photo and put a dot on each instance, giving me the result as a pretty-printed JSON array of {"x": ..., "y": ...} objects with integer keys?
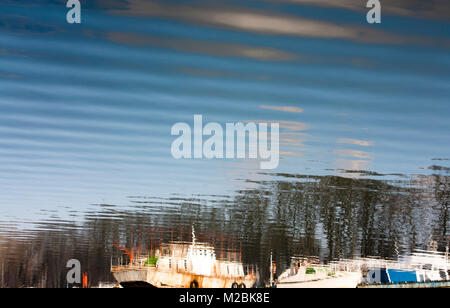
[
  {"x": 185, "y": 265},
  {"x": 308, "y": 272}
]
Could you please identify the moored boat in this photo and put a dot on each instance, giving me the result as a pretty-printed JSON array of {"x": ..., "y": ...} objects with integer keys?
[{"x": 185, "y": 265}]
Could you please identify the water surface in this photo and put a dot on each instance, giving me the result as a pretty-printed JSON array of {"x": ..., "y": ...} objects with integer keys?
[{"x": 86, "y": 112}]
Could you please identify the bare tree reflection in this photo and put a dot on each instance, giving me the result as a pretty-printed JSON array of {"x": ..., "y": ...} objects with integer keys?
[{"x": 329, "y": 217}]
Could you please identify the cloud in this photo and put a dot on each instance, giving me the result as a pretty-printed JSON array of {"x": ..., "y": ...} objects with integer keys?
[
  {"x": 290, "y": 142},
  {"x": 431, "y": 9},
  {"x": 293, "y": 125},
  {"x": 353, "y": 153},
  {"x": 351, "y": 164},
  {"x": 263, "y": 22},
  {"x": 291, "y": 153},
  {"x": 356, "y": 142},
  {"x": 283, "y": 108},
  {"x": 202, "y": 47}
]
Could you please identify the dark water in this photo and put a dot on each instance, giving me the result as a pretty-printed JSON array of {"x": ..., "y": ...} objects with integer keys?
[{"x": 86, "y": 112}]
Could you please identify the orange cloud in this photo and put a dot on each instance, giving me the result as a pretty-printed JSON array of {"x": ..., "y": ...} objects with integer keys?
[{"x": 356, "y": 142}]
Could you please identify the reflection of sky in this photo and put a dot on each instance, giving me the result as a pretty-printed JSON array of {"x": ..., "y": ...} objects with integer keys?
[{"x": 86, "y": 110}]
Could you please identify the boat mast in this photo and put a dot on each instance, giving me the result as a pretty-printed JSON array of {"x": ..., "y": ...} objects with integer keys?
[{"x": 193, "y": 235}]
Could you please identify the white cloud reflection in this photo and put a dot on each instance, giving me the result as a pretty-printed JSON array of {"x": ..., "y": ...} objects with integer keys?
[
  {"x": 264, "y": 22},
  {"x": 353, "y": 153},
  {"x": 355, "y": 142},
  {"x": 409, "y": 8},
  {"x": 283, "y": 108}
]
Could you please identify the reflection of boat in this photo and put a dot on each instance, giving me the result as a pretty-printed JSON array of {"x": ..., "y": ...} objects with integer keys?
[
  {"x": 309, "y": 272},
  {"x": 402, "y": 278},
  {"x": 421, "y": 269},
  {"x": 184, "y": 265}
]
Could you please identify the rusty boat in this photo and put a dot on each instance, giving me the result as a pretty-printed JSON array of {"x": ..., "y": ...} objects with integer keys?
[{"x": 185, "y": 265}]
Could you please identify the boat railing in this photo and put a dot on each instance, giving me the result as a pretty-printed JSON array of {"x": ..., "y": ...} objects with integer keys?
[{"x": 219, "y": 268}]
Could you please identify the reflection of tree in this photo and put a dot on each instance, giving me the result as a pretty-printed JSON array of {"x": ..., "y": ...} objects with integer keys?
[
  {"x": 442, "y": 195},
  {"x": 330, "y": 217}
]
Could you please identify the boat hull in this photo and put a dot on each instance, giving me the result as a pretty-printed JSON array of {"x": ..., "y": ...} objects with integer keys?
[{"x": 129, "y": 277}]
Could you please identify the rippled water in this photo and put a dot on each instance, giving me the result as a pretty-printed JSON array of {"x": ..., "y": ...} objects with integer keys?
[{"x": 86, "y": 112}]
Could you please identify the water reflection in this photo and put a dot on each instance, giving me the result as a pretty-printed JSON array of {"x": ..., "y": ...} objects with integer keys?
[
  {"x": 330, "y": 217},
  {"x": 86, "y": 112}
]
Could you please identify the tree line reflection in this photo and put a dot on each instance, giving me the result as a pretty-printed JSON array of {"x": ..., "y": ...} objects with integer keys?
[{"x": 326, "y": 216}]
